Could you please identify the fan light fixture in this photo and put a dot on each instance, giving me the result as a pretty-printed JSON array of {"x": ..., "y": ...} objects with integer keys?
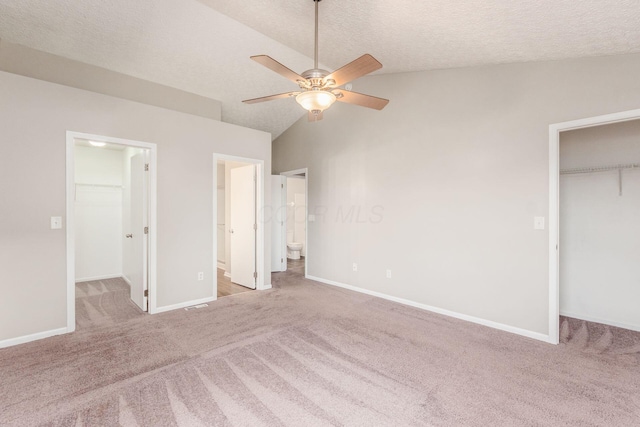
[
  {"x": 319, "y": 89},
  {"x": 315, "y": 100}
]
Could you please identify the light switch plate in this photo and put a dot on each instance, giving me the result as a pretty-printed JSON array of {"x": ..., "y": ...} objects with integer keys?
[
  {"x": 56, "y": 222},
  {"x": 538, "y": 223}
]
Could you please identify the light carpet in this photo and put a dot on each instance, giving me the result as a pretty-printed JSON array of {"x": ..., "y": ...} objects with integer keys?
[{"x": 307, "y": 354}]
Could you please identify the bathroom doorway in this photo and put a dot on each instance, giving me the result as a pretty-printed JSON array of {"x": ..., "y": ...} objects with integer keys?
[{"x": 296, "y": 220}]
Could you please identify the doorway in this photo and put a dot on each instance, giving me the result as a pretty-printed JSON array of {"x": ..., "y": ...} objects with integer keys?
[
  {"x": 555, "y": 131},
  {"x": 296, "y": 220},
  {"x": 110, "y": 229},
  {"x": 599, "y": 229},
  {"x": 238, "y": 227}
]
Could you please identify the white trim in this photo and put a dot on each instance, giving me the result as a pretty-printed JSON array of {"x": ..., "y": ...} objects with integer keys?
[
  {"x": 305, "y": 171},
  {"x": 222, "y": 266},
  {"x": 554, "y": 204},
  {"x": 484, "y": 322},
  {"x": 70, "y": 233},
  {"x": 126, "y": 279},
  {"x": 70, "y": 223},
  {"x": 108, "y": 276},
  {"x": 185, "y": 304},
  {"x": 33, "y": 337},
  {"x": 260, "y": 208},
  {"x": 227, "y": 275},
  {"x": 266, "y": 287},
  {"x": 601, "y": 321}
]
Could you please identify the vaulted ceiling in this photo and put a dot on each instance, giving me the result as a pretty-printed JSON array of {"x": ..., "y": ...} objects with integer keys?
[{"x": 203, "y": 46}]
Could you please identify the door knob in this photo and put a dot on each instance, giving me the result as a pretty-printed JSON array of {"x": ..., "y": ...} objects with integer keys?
[{"x": 129, "y": 236}]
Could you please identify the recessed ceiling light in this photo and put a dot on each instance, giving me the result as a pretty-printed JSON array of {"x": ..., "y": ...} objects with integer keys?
[{"x": 97, "y": 144}]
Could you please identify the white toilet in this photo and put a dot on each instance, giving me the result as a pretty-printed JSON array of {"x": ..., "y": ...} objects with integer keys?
[{"x": 293, "y": 250}]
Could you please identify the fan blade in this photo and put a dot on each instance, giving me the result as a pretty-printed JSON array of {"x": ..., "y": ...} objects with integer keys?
[
  {"x": 270, "y": 98},
  {"x": 274, "y": 65},
  {"x": 361, "y": 99},
  {"x": 314, "y": 117},
  {"x": 364, "y": 65}
]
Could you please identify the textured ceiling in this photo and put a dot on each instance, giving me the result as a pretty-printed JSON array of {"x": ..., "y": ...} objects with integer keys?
[{"x": 203, "y": 46}]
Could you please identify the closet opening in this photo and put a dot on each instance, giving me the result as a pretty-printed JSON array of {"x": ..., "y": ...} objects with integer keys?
[{"x": 110, "y": 230}]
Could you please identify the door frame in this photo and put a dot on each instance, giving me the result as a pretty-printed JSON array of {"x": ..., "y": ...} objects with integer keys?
[
  {"x": 554, "y": 205},
  {"x": 261, "y": 284},
  {"x": 305, "y": 171},
  {"x": 70, "y": 219},
  {"x": 275, "y": 214}
]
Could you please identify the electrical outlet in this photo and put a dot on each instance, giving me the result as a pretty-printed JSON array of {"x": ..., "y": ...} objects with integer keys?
[
  {"x": 388, "y": 274},
  {"x": 355, "y": 267},
  {"x": 201, "y": 276},
  {"x": 56, "y": 222}
]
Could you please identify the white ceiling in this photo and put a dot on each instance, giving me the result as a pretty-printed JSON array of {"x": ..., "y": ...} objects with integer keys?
[{"x": 203, "y": 46}]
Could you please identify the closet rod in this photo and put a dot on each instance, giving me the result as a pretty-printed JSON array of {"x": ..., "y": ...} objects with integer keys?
[
  {"x": 599, "y": 169},
  {"x": 619, "y": 168}
]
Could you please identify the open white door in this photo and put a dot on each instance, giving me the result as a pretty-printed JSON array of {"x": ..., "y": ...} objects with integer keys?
[
  {"x": 138, "y": 233},
  {"x": 243, "y": 226},
  {"x": 278, "y": 225}
]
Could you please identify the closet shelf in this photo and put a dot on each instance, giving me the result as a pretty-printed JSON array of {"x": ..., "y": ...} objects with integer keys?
[
  {"x": 618, "y": 168},
  {"x": 599, "y": 169}
]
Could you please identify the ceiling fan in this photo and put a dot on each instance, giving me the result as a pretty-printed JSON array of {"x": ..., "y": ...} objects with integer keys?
[{"x": 319, "y": 89}]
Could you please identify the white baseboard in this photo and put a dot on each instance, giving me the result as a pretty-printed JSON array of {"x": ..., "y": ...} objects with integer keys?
[
  {"x": 126, "y": 279},
  {"x": 33, "y": 337},
  {"x": 602, "y": 321},
  {"x": 227, "y": 275},
  {"x": 183, "y": 305},
  {"x": 222, "y": 265},
  {"x": 484, "y": 322},
  {"x": 90, "y": 279},
  {"x": 265, "y": 287}
]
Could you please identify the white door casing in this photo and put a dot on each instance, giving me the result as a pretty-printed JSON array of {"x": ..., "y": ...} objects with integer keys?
[
  {"x": 243, "y": 226},
  {"x": 136, "y": 234},
  {"x": 278, "y": 225}
]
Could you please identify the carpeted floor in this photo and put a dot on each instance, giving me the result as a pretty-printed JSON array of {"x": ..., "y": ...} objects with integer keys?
[
  {"x": 306, "y": 354},
  {"x": 104, "y": 302}
]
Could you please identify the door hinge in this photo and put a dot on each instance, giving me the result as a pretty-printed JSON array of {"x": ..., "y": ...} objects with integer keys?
[
  {"x": 281, "y": 260},
  {"x": 146, "y": 167},
  {"x": 255, "y": 275},
  {"x": 281, "y": 185},
  {"x": 146, "y": 292},
  {"x": 146, "y": 230},
  {"x": 255, "y": 226}
]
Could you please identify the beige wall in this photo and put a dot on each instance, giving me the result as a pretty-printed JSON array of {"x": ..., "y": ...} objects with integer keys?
[
  {"x": 443, "y": 184},
  {"x": 98, "y": 212},
  {"x": 35, "y": 117},
  {"x": 18, "y": 59}
]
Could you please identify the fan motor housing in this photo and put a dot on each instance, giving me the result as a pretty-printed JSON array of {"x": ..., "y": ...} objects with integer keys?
[{"x": 315, "y": 78}]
